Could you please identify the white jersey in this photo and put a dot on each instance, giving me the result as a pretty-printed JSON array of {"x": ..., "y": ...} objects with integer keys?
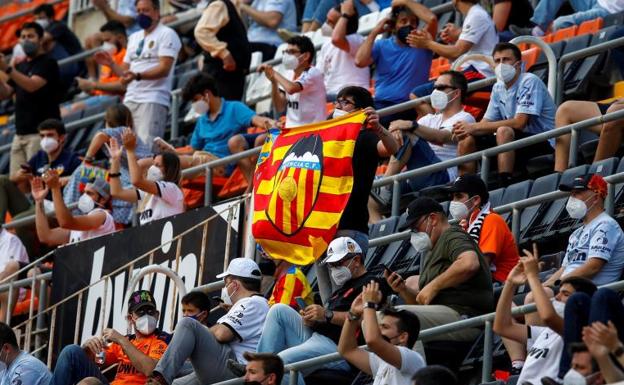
[
  {"x": 143, "y": 53},
  {"x": 246, "y": 320},
  {"x": 386, "y": 374},
  {"x": 445, "y": 151},
  {"x": 106, "y": 228},
  {"x": 544, "y": 348},
  {"x": 339, "y": 66},
  {"x": 11, "y": 249},
  {"x": 308, "y": 105},
  {"x": 479, "y": 29},
  {"x": 169, "y": 201}
]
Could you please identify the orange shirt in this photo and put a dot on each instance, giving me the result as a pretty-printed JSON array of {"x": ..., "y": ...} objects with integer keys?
[
  {"x": 496, "y": 239},
  {"x": 106, "y": 73},
  {"x": 154, "y": 346}
]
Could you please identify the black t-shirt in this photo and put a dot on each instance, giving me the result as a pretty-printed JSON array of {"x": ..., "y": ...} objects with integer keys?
[
  {"x": 32, "y": 108},
  {"x": 65, "y": 37},
  {"x": 520, "y": 14},
  {"x": 365, "y": 162},
  {"x": 65, "y": 164},
  {"x": 341, "y": 300}
]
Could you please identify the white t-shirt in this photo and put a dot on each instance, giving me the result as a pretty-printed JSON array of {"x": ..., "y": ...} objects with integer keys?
[
  {"x": 479, "y": 29},
  {"x": 339, "y": 66},
  {"x": 386, "y": 374},
  {"x": 246, "y": 320},
  {"x": 613, "y": 6},
  {"x": 107, "y": 227},
  {"x": 544, "y": 348},
  {"x": 307, "y": 106},
  {"x": 11, "y": 249},
  {"x": 168, "y": 202},
  {"x": 142, "y": 54},
  {"x": 445, "y": 151},
  {"x": 26, "y": 370}
]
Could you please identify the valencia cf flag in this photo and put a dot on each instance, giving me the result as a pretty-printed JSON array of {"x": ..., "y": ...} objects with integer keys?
[{"x": 302, "y": 183}]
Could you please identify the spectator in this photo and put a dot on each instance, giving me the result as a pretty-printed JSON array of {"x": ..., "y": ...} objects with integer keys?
[
  {"x": 125, "y": 12},
  {"x": 544, "y": 344},
  {"x": 426, "y": 141},
  {"x": 583, "y": 367},
  {"x": 454, "y": 281},
  {"x": 265, "y": 18},
  {"x": 95, "y": 221},
  {"x": 290, "y": 284},
  {"x": 508, "y": 12},
  {"x": 301, "y": 91},
  {"x": 33, "y": 82},
  {"x": 573, "y": 111},
  {"x": 399, "y": 67},
  {"x": 337, "y": 56},
  {"x": 434, "y": 375},
  {"x": 532, "y": 113},
  {"x": 546, "y": 11},
  {"x": 596, "y": 249},
  {"x": 234, "y": 334},
  {"x": 221, "y": 34},
  {"x": 373, "y": 143},
  {"x": 110, "y": 58},
  {"x": 390, "y": 359},
  {"x": 605, "y": 347},
  {"x": 196, "y": 305},
  {"x": 315, "y": 330},
  {"x": 13, "y": 256},
  {"x": 470, "y": 205},
  {"x": 20, "y": 367},
  {"x": 263, "y": 367},
  {"x": 137, "y": 354},
  {"x": 221, "y": 127},
  {"x": 315, "y": 11},
  {"x": 156, "y": 194},
  {"x": 477, "y": 36},
  {"x": 148, "y": 71}
]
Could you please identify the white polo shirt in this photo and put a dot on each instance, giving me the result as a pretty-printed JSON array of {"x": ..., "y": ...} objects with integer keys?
[
  {"x": 308, "y": 105},
  {"x": 479, "y": 29},
  {"x": 169, "y": 201}
]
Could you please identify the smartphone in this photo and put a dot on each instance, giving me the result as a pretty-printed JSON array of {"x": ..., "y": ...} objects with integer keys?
[
  {"x": 386, "y": 268},
  {"x": 301, "y": 303}
]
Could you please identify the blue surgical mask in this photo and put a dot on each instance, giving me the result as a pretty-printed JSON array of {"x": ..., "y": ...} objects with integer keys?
[
  {"x": 403, "y": 32},
  {"x": 144, "y": 21}
]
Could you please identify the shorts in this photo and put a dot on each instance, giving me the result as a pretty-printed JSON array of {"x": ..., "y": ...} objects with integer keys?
[
  {"x": 251, "y": 139},
  {"x": 522, "y": 154},
  {"x": 603, "y": 107}
]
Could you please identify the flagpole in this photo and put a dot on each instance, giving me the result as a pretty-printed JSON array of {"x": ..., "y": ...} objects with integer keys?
[{"x": 250, "y": 243}]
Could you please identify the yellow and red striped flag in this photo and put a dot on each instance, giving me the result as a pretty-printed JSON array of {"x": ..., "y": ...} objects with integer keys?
[{"x": 302, "y": 183}]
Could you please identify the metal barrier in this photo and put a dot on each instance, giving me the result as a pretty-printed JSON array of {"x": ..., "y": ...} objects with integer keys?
[
  {"x": 550, "y": 56},
  {"x": 25, "y": 12}
]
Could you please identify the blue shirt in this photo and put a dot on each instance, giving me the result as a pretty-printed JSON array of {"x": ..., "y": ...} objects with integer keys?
[
  {"x": 399, "y": 69},
  {"x": 258, "y": 33},
  {"x": 212, "y": 135},
  {"x": 65, "y": 163},
  {"x": 26, "y": 370},
  {"x": 601, "y": 238},
  {"x": 528, "y": 95}
]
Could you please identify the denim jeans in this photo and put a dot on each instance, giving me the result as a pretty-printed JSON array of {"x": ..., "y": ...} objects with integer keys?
[
  {"x": 409, "y": 114},
  {"x": 316, "y": 10},
  {"x": 73, "y": 365},
  {"x": 581, "y": 310},
  {"x": 208, "y": 356},
  {"x": 546, "y": 11},
  {"x": 285, "y": 334},
  {"x": 422, "y": 155}
]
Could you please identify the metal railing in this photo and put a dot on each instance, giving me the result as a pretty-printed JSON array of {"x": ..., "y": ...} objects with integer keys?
[{"x": 25, "y": 12}]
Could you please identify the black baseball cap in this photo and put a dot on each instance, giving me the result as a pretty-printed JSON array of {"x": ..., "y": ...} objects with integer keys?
[
  {"x": 140, "y": 299},
  {"x": 593, "y": 182},
  {"x": 418, "y": 208},
  {"x": 470, "y": 184}
]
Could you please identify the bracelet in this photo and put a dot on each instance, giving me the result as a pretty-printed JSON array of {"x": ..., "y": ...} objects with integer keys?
[
  {"x": 114, "y": 175},
  {"x": 88, "y": 159},
  {"x": 371, "y": 305},
  {"x": 618, "y": 352},
  {"x": 414, "y": 126},
  {"x": 346, "y": 16},
  {"x": 353, "y": 317},
  {"x": 138, "y": 76}
]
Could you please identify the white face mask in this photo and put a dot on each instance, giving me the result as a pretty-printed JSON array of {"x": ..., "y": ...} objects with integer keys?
[
  {"x": 573, "y": 377},
  {"x": 505, "y": 72},
  {"x": 327, "y": 30},
  {"x": 459, "y": 210},
  {"x": 439, "y": 100},
  {"x": 577, "y": 209},
  {"x": 109, "y": 47},
  {"x": 44, "y": 23},
  {"x": 340, "y": 275},
  {"x": 338, "y": 113},
  {"x": 226, "y": 296},
  {"x": 154, "y": 174},
  {"x": 49, "y": 144},
  {"x": 289, "y": 61},
  {"x": 146, "y": 324},
  {"x": 559, "y": 307},
  {"x": 200, "y": 107},
  {"x": 85, "y": 204},
  {"x": 420, "y": 241}
]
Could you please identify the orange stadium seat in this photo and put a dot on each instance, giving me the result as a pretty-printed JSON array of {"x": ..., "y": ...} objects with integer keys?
[
  {"x": 590, "y": 27},
  {"x": 529, "y": 57},
  {"x": 564, "y": 33},
  {"x": 547, "y": 38}
]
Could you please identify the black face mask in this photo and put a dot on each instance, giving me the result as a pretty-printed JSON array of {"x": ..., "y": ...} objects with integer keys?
[
  {"x": 403, "y": 32},
  {"x": 389, "y": 339}
]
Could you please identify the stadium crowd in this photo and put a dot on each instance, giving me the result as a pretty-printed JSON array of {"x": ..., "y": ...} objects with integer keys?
[{"x": 470, "y": 262}]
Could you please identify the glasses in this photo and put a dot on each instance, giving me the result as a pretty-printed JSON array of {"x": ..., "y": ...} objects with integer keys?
[
  {"x": 443, "y": 87},
  {"x": 344, "y": 102},
  {"x": 139, "y": 49},
  {"x": 292, "y": 51},
  {"x": 148, "y": 311}
]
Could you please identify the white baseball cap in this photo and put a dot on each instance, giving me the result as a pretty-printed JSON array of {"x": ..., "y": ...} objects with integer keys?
[
  {"x": 242, "y": 267},
  {"x": 340, "y": 248}
]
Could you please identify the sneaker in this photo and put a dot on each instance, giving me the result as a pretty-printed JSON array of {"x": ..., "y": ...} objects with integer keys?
[
  {"x": 236, "y": 367},
  {"x": 285, "y": 34},
  {"x": 524, "y": 31}
]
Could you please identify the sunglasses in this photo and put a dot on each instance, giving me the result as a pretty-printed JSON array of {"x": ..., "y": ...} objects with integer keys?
[
  {"x": 139, "y": 49},
  {"x": 443, "y": 87},
  {"x": 148, "y": 311}
]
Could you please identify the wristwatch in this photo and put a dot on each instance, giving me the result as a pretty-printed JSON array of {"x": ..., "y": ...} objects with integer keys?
[
  {"x": 353, "y": 317},
  {"x": 371, "y": 305},
  {"x": 414, "y": 126},
  {"x": 618, "y": 352},
  {"x": 346, "y": 16},
  {"x": 138, "y": 76},
  {"x": 329, "y": 314}
]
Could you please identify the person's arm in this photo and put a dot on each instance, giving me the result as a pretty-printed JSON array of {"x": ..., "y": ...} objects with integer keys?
[
  {"x": 214, "y": 17},
  {"x": 553, "y": 278},
  {"x": 111, "y": 14},
  {"x": 423, "y": 13},
  {"x": 141, "y": 361},
  {"x": 262, "y": 122},
  {"x": 269, "y": 19},
  {"x": 160, "y": 71},
  {"x": 27, "y": 83},
  {"x": 137, "y": 178},
  {"x": 397, "y": 284},
  {"x": 96, "y": 144},
  {"x": 518, "y": 122},
  {"x": 387, "y": 143},
  {"x": 500, "y": 14},
  {"x": 603, "y": 343},
  {"x": 222, "y": 333},
  {"x": 117, "y": 190},
  {"x": 545, "y": 308},
  {"x": 364, "y": 55},
  {"x": 48, "y": 236},
  {"x": 589, "y": 269},
  {"x": 504, "y": 323},
  {"x": 104, "y": 58},
  {"x": 422, "y": 39},
  {"x": 339, "y": 34},
  {"x": 429, "y": 134},
  {"x": 112, "y": 87},
  {"x": 462, "y": 269},
  {"x": 316, "y": 313},
  {"x": 277, "y": 96},
  {"x": 348, "y": 346},
  {"x": 6, "y": 91}
]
